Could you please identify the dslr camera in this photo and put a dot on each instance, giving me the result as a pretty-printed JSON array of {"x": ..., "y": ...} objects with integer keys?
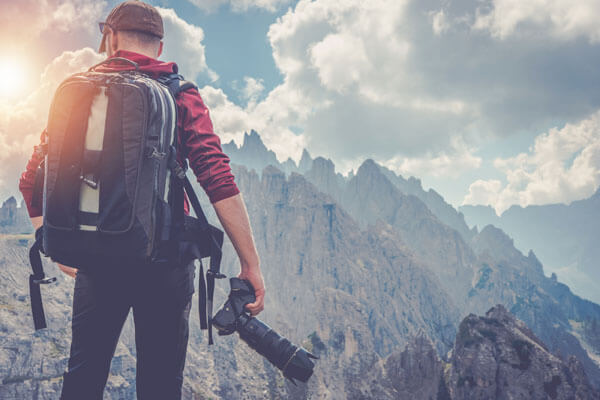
[{"x": 294, "y": 361}]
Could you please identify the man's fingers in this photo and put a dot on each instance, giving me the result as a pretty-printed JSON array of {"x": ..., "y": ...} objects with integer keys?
[
  {"x": 72, "y": 272},
  {"x": 258, "y": 305}
]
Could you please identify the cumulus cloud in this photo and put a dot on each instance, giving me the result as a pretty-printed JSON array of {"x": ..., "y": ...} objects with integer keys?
[
  {"x": 183, "y": 43},
  {"x": 350, "y": 87},
  {"x": 240, "y": 5},
  {"x": 565, "y": 19},
  {"x": 439, "y": 22},
  {"x": 449, "y": 163},
  {"x": 251, "y": 89},
  {"x": 563, "y": 165},
  {"x": 231, "y": 121},
  {"x": 21, "y": 123},
  {"x": 26, "y": 19}
]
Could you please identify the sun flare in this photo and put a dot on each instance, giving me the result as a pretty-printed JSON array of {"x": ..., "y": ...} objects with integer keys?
[{"x": 12, "y": 78}]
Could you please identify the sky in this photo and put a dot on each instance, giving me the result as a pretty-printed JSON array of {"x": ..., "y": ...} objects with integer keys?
[{"x": 492, "y": 102}]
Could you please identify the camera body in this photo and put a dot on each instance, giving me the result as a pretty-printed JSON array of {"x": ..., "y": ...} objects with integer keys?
[{"x": 294, "y": 361}]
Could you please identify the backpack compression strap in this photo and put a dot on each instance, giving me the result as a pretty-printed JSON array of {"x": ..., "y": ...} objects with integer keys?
[{"x": 35, "y": 280}]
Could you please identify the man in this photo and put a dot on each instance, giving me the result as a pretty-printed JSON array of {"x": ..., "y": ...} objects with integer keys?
[{"x": 160, "y": 297}]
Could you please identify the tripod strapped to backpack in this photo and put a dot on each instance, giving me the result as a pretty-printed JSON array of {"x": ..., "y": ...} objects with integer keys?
[{"x": 112, "y": 186}]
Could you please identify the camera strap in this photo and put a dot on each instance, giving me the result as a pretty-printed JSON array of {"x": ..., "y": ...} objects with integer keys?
[{"x": 215, "y": 238}]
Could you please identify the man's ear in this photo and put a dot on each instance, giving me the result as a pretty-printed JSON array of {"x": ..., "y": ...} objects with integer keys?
[
  {"x": 114, "y": 41},
  {"x": 160, "y": 49}
]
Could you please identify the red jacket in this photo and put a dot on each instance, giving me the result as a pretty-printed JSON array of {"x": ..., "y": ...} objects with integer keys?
[{"x": 199, "y": 143}]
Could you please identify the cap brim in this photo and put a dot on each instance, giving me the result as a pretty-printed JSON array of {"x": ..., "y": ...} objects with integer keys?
[{"x": 102, "y": 46}]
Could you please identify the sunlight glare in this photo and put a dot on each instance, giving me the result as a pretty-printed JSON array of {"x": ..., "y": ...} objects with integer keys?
[{"x": 12, "y": 78}]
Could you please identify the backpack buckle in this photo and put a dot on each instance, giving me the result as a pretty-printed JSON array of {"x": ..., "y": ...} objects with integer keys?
[
  {"x": 215, "y": 275},
  {"x": 89, "y": 180},
  {"x": 157, "y": 155},
  {"x": 44, "y": 281}
]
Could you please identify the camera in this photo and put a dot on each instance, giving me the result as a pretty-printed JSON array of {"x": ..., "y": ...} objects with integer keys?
[{"x": 294, "y": 361}]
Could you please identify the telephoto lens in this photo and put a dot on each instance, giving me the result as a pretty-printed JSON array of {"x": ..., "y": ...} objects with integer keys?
[{"x": 294, "y": 361}]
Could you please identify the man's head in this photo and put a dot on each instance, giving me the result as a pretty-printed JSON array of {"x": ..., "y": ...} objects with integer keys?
[{"x": 134, "y": 26}]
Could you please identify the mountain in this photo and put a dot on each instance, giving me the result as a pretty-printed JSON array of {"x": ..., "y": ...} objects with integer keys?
[
  {"x": 494, "y": 357},
  {"x": 477, "y": 271},
  {"x": 433, "y": 200},
  {"x": 357, "y": 270},
  {"x": 14, "y": 219},
  {"x": 365, "y": 285},
  {"x": 564, "y": 237}
]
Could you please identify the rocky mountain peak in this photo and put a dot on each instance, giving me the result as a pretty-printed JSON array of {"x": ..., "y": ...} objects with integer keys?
[
  {"x": 322, "y": 175},
  {"x": 13, "y": 219},
  {"x": 370, "y": 194},
  {"x": 252, "y": 153},
  {"x": 368, "y": 167},
  {"x": 497, "y": 356},
  {"x": 305, "y": 161},
  {"x": 324, "y": 165},
  {"x": 10, "y": 202},
  {"x": 370, "y": 177},
  {"x": 253, "y": 139},
  {"x": 497, "y": 243}
]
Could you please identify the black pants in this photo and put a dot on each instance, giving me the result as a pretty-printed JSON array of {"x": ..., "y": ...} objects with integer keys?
[{"x": 160, "y": 297}]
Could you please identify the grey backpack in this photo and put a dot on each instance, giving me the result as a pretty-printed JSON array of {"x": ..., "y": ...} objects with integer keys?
[{"x": 113, "y": 189}]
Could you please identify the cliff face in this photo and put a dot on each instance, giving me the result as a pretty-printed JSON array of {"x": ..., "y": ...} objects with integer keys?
[
  {"x": 563, "y": 236},
  {"x": 352, "y": 295},
  {"x": 479, "y": 272},
  {"x": 497, "y": 356},
  {"x": 494, "y": 357},
  {"x": 355, "y": 269},
  {"x": 14, "y": 219}
]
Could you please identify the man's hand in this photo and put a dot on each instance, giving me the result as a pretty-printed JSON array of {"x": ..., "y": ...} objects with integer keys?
[
  {"x": 234, "y": 218},
  {"x": 255, "y": 277},
  {"x": 72, "y": 272}
]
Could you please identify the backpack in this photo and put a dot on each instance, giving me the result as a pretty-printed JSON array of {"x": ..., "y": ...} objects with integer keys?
[{"x": 113, "y": 189}]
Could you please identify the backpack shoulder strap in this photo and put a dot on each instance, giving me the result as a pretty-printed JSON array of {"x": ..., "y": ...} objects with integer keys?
[{"x": 176, "y": 83}]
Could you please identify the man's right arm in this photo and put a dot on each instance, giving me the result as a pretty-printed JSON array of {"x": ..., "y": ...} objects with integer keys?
[{"x": 210, "y": 164}]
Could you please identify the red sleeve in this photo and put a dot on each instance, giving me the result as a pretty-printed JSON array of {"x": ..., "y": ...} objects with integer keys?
[
  {"x": 28, "y": 179},
  {"x": 202, "y": 147}
]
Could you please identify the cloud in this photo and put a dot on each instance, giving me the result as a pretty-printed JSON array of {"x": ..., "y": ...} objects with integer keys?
[
  {"x": 21, "y": 123},
  {"x": 439, "y": 22},
  {"x": 562, "y": 166},
  {"x": 183, "y": 43},
  {"x": 27, "y": 19},
  {"x": 350, "y": 86},
  {"x": 230, "y": 121},
  {"x": 239, "y": 5},
  {"x": 483, "y": 192},
  {"x": 452, "y": 162},
  {"x": 251, "y": 90},
  {"x": 565, "y": 19}
]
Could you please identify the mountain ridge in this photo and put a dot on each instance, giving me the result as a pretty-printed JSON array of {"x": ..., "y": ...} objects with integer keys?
[{"x": 355, "y": 269}]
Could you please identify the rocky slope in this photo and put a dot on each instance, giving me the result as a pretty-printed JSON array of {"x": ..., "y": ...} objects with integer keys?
[
  {"x": 371, "y": 294},
  {"x": 563, "y": 236},
  {"x": 494, "y": 357},
  {"x": 479, "y": 271},
  {"x": 355, "y": 268},
  {"x": 497, "y": 356}
]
